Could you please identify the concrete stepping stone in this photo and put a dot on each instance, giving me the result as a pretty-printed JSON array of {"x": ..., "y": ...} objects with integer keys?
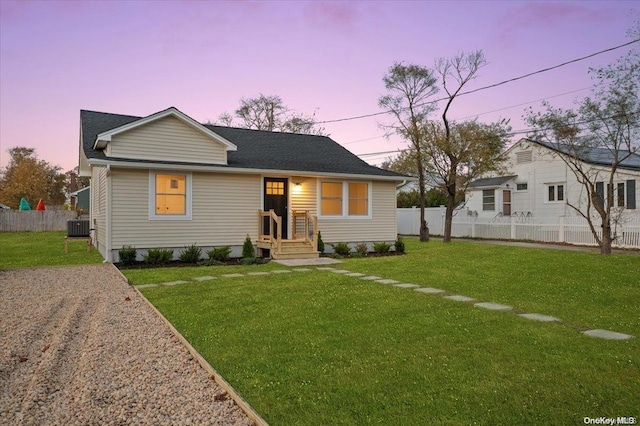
[
  {"x": 606, "y": 334},
  {"x": 175, "y": 282},
  {"x": 460, "y": 298},
  {"x": 301, "y": 270},
  {"x": 232, "y": 275},
  {"x": 493, "y": 306},
  {"x": 326, "y": 268},
  {"x": 281, "y": 271},
  {"x": 355, "y": 274},
  {"x": 141, "y": 286},
  {"x": 371, "y": 278},
  {"x": 340, "y": 271},
  {"x": 539, "y": 317},
  {"x": 429, "y": 290},
  {"x": 406, "y": 285},
  {"x": 204, "y": 278},
  {"x": 255, "y": 274},
  {"x": 387, "y": 281}
]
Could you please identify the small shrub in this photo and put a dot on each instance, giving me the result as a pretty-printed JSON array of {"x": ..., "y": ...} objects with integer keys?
[
  {"x": 357, "y": 254},
  {"x": 399, "y": 246},
  {"x": 220, "y": 254},
  {"x": 190, "y": 254},
  {"x": 158, "y": 256},
  {"x": 247, "y": 248},
  {"x": 361, "y": 250},
  {"x": 341, "y": 248},
  {"x": 381, "y": 247},
  {"x": 320, "y": 243},
  {"x": 128, "y": 255}
]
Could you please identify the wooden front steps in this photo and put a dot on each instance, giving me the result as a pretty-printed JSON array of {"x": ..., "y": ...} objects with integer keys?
[{"x": 291, "y": 249}]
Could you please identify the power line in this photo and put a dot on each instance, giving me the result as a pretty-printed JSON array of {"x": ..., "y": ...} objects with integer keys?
[
  {"x": 483, "y": 113},
  {"x": 358, "y": 117},
  {"x": 515, "y": 133}
]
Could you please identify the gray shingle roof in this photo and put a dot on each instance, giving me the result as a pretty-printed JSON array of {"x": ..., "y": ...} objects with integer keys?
[
  {"x": 596, "y": 156},
  {"x": 256, "y": 149},
  {"x": 492, "y": 181}
]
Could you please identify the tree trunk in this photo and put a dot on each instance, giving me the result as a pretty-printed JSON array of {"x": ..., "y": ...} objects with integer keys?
[
  {"x": 605, "y": 245},
  {"x": 448, "y": 219},
  {"x": 424, "y": 230}
]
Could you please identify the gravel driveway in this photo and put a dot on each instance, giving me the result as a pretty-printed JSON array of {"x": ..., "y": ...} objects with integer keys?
[{"x": 79, "y": 346}]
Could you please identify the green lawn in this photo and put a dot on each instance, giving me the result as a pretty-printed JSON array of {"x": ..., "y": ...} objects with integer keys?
[
  {"x": 26, "y": 249},
  {"x": 323, "y": 348}
]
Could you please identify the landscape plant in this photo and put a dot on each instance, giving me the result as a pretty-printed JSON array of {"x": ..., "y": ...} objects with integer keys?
[
  {"x": 341, "y": 249},
  {"x": 220, "y": 254},
  {"x": 158, "y": 256},
  {"x": 128, "y": 255},
  {"x": 361, "y": 249},
  {"x": 399, "y": 246},
  {"x": 248, "y": 251},
  {"x": 381, "y": 247},
  {"x": 191, "y": 254}
]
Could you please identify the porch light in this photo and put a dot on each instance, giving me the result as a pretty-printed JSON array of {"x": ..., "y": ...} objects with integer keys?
[{"x": 297, "y": 187}]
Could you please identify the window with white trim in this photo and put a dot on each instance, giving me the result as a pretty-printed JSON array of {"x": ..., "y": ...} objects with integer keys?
[
  {"x": 522, "y": 186},
  {"x": 170, "y": 196},
  {"x": 488, "y": 199},
  {"x": 345, "y": 199},
  {"x": 555, "y": 193}
]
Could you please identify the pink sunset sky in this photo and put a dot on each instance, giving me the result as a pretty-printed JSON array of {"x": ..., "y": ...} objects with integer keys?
[{"x": 140, "y": 57}]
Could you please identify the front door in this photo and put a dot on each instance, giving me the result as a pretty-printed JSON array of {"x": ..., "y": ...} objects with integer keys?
[
  {"x": 275, "y": 197},
  {"x": 506, "y": 202}
]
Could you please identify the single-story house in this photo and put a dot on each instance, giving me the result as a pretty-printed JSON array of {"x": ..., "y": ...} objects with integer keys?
[
  {"x": 167, "y": 181},
  {"x": 540, "y": 184}
]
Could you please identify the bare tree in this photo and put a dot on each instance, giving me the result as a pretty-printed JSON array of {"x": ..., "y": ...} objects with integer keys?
[
  {"x": 603, "y": 128},
  {"x": 270, "y": 113},
  {"x": 454, "y": 74},
  {"x": 410, "y": 87}
]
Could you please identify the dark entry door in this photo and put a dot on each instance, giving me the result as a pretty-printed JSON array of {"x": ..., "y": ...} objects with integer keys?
[
  {"x": 506, "y": 203},
  {"x": 275, "y": 197}
]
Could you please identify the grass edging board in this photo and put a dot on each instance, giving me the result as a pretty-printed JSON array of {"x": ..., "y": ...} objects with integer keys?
[{"x": 244, "y": 405}]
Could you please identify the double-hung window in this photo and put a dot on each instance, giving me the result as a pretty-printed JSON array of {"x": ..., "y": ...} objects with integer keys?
[
  {"x": 345, "y": 199},
  {"x": 555, "y": 193},
  {"x": 170, "y": 196},
  {"x": 488, "y": 199}
]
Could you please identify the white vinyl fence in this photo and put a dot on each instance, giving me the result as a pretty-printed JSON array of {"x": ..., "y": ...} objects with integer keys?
[
  {"x": 33, "y": 220},
  {"x": 572, "y": 230}
]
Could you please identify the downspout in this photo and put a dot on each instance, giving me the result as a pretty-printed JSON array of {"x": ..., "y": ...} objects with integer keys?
[{"x": 109, "y": 257}]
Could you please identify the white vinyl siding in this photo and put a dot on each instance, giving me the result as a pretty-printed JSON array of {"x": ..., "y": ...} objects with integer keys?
[
  {"x": 168, "y": 139},
  {"x": 224, "y": 210},
  {"x": 98, "y": 207}
]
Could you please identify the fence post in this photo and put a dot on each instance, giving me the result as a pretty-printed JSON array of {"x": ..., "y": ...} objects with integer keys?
[
  {"x": 513, "y": 227},
  {"x": 473, "y": 226},
  {"x": 561, "y": 230}
]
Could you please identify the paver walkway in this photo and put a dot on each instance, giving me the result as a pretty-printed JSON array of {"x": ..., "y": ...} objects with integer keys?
[{"x": 602, "y": 334}]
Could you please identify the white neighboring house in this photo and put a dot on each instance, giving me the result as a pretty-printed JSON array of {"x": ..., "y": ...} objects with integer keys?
[{"x": 540, "y": 184}]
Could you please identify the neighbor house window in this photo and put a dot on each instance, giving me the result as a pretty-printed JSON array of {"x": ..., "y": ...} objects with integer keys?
[
  {"x": 356, "y": 196},
  {"x": 170, "y": 196},
  {"x": 555, "y": 192},
  {"x": 488, "y": 199},
  {"x": 623, "y": 194},
  {"x": 522, "y": 186}
]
